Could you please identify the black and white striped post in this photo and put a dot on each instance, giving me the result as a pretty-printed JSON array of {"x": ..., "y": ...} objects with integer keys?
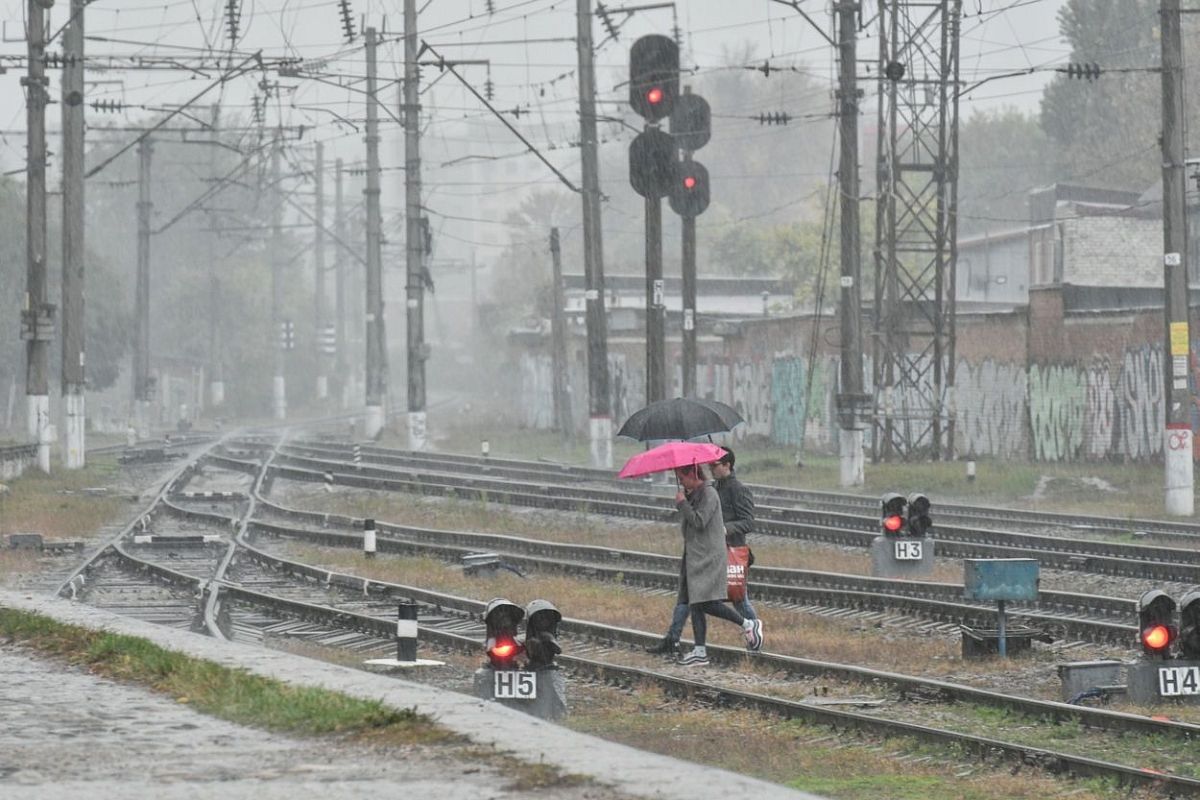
[
  {"x": 406, "y": 632},
  {"x": 357, "y": 457},
  {"x": 328, "y": 479},
  {"x": 368, "y": 538}
]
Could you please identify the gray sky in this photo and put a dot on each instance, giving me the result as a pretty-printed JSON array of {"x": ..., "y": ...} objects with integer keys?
[{"x": 998, "y": 36}]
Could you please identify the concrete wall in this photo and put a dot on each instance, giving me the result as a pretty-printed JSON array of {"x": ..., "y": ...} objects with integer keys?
[{"x": 1036, "y": 383}]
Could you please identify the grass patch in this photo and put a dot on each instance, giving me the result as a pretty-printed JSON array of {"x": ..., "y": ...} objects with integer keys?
[
  {"x": 55, "y": 506},
  {"x": 1138, "y": 486},
  {"x": 229, "y": 694},
  {"x": 813, "y": 758}
]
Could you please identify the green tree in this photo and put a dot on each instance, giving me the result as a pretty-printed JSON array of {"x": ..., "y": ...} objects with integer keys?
[
  {"x": 1107, "y": 130},
  {"x": 1002, "y": 155}
]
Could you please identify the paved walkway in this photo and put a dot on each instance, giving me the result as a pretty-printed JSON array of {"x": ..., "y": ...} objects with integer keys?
[{"x": 64, "y": 731}]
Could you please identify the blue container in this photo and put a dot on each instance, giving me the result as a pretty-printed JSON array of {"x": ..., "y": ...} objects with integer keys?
[{"x": 1000, "y": 578}]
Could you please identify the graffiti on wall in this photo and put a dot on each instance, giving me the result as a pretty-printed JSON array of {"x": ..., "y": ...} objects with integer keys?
[
  {"x": 991, "y": 409},
  {"x": 1140, "y": 403},
  {"x": 787, "y": 398},
  {"x": 1103, "y": 409}
]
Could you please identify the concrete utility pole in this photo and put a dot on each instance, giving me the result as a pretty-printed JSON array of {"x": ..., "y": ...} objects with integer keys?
[
  {"x": 1178, "y": 434},
  {"x": 656, "y": 308},
  {"x": 37, "y": 315},
  {"x": 73, "y": 382},
  {"x": 319, "y": 275},
  {"x": 599, "y": 400},
  {"x": 376, "y": 342},
  {"x": 339, "y": 281},
  {"x": 141, "y": 311},
  {"x": 850, "y": 400},
  {"x": 688, "y": 269},
  {"x": 216, "y": 368},
  {"x": 278, "y": 324},
  {"x": 414, "y": 239},
  {"x": 558, "y": 337}
]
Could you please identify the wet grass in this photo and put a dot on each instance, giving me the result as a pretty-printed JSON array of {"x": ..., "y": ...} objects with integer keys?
[
  {"x": 811, "y": 758},
  {"x": 55, "y": 506},
  {"x": 229, "y": 694},
  {"x": 1136, "y": 488}
]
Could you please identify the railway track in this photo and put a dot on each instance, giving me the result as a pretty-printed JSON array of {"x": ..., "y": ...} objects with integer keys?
[
  {"x": 1185, "y": 532},
  {"x": 245, "y": 592},
  {"x": 1091, "y": 556}
]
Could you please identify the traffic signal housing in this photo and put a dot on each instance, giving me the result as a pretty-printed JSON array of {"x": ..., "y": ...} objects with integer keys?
[
  {"x": 689, "y": 189},
  {"x": 691, "y": 122},
  {"x": 652, "y": 163},
  {"x": 891, "y": 514},
  {"x": 654, "y": 76},
  {"x": 541, "y": 634},
  {"x": 1189, "y": 626},
  {"x": 502, "y": 619},
  {"x": 919, "y": 521},
  {"x": 1157, "y": 630}
]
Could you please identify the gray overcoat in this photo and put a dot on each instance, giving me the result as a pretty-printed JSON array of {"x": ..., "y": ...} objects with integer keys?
[{"x": 704, "y": 555}]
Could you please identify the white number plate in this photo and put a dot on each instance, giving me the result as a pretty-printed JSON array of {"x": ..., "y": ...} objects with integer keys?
[
  {"x": 513, "y": 685},
  {"x": 907, "y": 550},
  {"x": 1177, "y": 681}
]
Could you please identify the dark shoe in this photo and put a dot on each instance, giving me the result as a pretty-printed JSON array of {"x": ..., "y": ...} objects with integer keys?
[{"x": 665, "y": 647}]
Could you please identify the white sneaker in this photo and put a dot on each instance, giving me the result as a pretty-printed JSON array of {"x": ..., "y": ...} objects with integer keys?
[
  {"x": 754, "y": 635},
  {"x": 694, "y": 659}
]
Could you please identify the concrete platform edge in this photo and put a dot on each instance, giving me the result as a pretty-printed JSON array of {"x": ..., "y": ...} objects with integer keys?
[{"x": 634, "y": 772}]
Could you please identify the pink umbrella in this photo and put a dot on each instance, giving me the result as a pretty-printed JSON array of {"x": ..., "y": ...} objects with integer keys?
[{"x": 669, "y": 456}]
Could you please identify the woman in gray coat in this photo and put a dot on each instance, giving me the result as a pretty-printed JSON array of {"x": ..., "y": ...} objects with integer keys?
[{"x": 704, "y": 573}]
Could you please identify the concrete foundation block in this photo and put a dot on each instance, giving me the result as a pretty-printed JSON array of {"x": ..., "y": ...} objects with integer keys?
[
  {"x": 25, "y": 541},
  {"x": 1144, "y": 683},
  {"x": 550, "y": 702},
  {"x": 884, "y": 563},
  {"x": 1084, "y": 676}
]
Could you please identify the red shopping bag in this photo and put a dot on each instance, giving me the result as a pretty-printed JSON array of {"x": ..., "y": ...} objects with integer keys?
[{"x": 738, "y": 569}]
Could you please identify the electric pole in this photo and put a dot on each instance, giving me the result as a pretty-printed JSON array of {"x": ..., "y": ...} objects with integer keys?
[
  {"x": 599, "y": 400},
  {"x": 851, "y": 402},
  {"x": 1178, "y": 434},
  {"x": 341, "y": 373},
  {"x": 688, "y": 268},
  {"x": 73, "y": 381},
  {"x": 141, "y": 313},
  {"x": 37, "y": 314},
  {"x": 376, "y": 343},
  {"x": 319, "y": 275},
  {"x": 656, "y": 309},
  {"x": 216, "y": 372},
  {"x": 558, "y": 338},
  {"x": 280, "y": 327},
  {"x": 414, "y": 239}
]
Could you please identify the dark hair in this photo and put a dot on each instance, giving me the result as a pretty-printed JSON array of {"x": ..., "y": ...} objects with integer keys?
[
  {"x": 728, "y": 458},
  {"x": 688, "y": 469}
]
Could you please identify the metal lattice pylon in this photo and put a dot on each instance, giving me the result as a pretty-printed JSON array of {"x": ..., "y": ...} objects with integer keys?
[{"x": 915, "y": 238}]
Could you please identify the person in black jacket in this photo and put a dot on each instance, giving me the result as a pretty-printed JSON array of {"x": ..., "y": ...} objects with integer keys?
[{"x": 737, "y": 509}]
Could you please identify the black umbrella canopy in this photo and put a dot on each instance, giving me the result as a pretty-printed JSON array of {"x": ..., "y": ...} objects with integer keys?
[{"x": 680, "y": 418}]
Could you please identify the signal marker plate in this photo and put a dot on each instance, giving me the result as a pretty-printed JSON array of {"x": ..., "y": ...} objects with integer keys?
[
  {"x": 1178, "y": 681},
  {"x": 515, "y": 685},
  {"x": 908, "y": 550}
]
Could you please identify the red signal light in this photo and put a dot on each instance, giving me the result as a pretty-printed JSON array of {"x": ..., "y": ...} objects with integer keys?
[
  {"x": 1157, "y": 637},
  {"x": 689, "y": 182},
  {"x": 654, "y": 96},
  {"x": 503, "y": 652},
  {"x": 893, "y": 523}
]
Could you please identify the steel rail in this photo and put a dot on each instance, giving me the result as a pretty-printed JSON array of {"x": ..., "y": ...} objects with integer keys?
[{"x": 1053, "y": 552}]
